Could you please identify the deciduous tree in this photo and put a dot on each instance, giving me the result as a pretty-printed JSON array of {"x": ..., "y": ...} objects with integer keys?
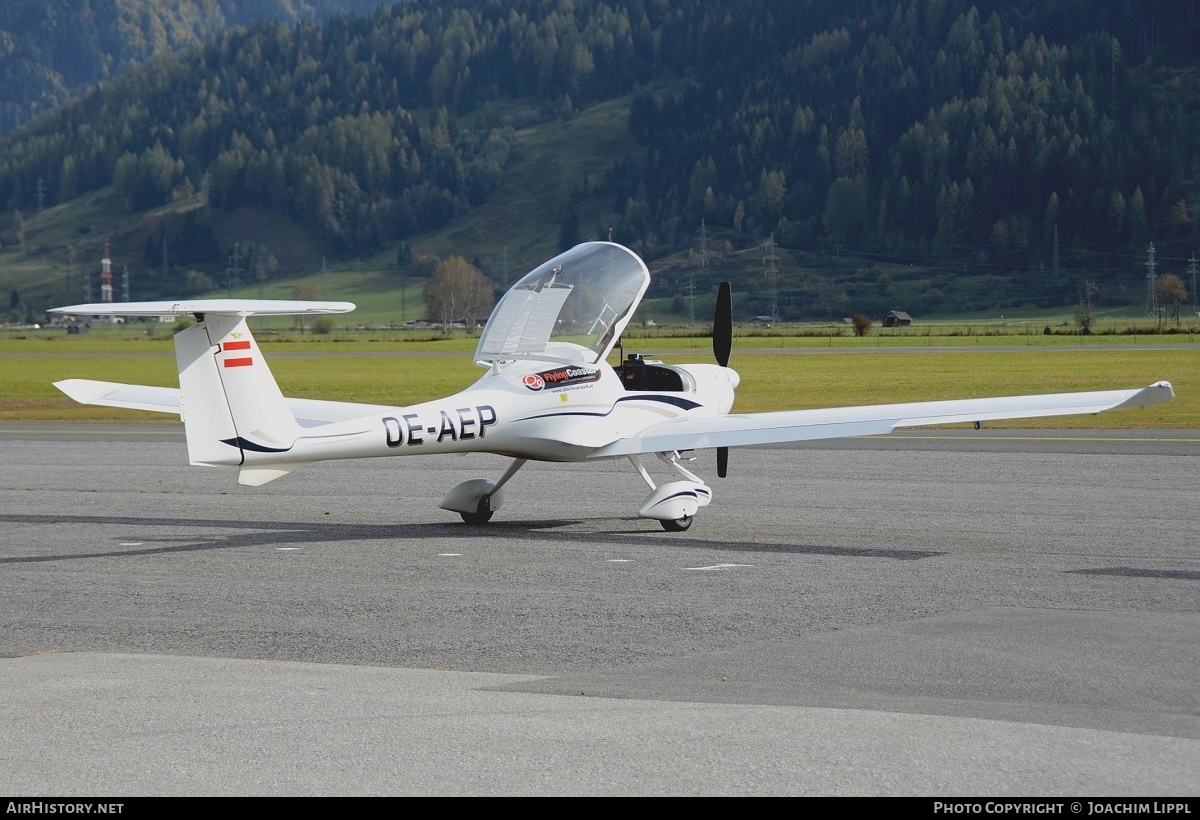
[
  {"x": 1170, "y": 292},
  {"x": 458, "y": 290},
  {"x": 1085, "y": 311}
]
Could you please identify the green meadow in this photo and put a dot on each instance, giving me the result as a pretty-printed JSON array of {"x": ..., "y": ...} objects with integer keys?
[{"x": 778, "y": 372}]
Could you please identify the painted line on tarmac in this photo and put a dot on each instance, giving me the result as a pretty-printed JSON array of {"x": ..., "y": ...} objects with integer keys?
[
  {"x": 1035, "y": 438},
  {"x": 29, "y": 431}
]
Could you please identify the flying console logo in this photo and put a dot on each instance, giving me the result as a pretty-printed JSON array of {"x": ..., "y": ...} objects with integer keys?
[{"x": 561, "y": 377}]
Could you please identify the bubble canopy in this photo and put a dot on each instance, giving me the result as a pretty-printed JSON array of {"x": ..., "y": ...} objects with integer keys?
[{"x": 571, "y": 308}]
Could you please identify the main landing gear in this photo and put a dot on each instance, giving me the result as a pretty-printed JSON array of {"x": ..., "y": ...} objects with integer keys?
[{"x": 477, "y": 499}]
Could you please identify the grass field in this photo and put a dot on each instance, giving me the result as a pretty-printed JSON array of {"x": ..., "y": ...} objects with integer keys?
[{"x": 778, "y": 373}]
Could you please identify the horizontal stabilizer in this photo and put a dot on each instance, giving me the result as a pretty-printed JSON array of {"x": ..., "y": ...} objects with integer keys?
[
  {"x": 308, "y": 412},
  {"x": 208, "y": 307},
  {"x": 129, "y": 396}
]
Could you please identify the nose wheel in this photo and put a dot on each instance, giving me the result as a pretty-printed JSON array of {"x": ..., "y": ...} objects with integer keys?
[{"x": 678, "y": 524}]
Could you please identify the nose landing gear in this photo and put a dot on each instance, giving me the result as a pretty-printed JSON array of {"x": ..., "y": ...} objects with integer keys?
[{"x": 675, "y": 503}]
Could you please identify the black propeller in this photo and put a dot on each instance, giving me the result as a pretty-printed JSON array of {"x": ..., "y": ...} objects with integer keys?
[
  {"x": 723, "y": 325},
  {"x": 722, "y": 337}
]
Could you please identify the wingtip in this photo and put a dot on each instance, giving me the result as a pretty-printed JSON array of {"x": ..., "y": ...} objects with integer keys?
[{"x": 1157, "y": 393}]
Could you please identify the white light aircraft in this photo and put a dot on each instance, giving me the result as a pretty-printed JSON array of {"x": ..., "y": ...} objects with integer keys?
[{"x": 549, "y": 393}]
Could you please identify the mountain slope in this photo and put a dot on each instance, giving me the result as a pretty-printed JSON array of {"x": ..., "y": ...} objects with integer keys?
[
  {"x": 51, "y": 50},
  {"x": 1007, "y": 151}
]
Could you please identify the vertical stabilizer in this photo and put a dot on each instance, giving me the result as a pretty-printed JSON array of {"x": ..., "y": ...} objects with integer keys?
[{"x": 232, "y": 408}]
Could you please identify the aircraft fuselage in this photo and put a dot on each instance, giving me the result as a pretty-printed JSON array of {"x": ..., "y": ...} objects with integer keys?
[{"x": 534, "y": 410}]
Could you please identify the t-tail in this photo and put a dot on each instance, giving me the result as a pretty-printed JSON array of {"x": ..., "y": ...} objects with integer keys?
[{"x": 231, "y": 406}]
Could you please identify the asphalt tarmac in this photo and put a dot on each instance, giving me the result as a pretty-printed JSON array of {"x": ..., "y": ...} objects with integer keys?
[{"x": 952, "y": 613}]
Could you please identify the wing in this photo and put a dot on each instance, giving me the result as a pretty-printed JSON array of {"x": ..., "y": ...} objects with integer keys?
[
  {"x": 308, "y": 412},
  {"x": 740, "y": 430}
]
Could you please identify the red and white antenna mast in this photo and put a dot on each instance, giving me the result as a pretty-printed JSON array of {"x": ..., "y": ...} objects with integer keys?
[{"x": 106, "y": 291}]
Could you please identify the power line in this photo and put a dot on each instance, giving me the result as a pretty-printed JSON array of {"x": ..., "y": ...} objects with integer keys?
[
  {"x": 771, "y": 260},
  {"x": 1151, "y": 282},
  {"x": 505, "y": 260},
  {"x": 234, "y": 270},
  {"x": 1195, "y": 296}
]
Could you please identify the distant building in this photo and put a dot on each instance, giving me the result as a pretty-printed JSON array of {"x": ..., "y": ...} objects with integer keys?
[{"x": 897, "y": 318}]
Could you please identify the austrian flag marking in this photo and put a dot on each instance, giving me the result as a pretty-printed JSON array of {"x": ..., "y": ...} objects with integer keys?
[{"x": 240, "y": 361}]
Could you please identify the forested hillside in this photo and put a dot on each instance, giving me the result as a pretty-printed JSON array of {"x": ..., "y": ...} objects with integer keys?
[
  {"x": 52, "y": 49},
  {"x": 1043, "y": 143}
]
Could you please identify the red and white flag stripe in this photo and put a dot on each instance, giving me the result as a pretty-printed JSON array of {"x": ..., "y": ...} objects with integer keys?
[{"x": 240, "y": 361}]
